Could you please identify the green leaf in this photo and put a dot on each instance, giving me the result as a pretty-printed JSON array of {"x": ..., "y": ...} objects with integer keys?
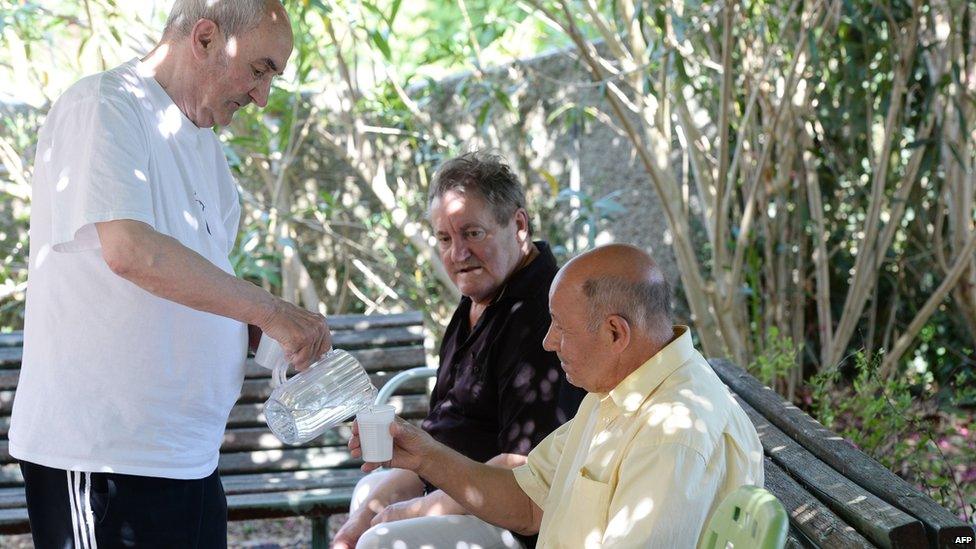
[
  {"x": 505, "y": 100},
  {"x": 381, "y": 43},
  {"x": 551, "y": 180},
  {"x": 483, "y": 114},
  {"x": 559, "y": 112},
  {"x": 394, "y": 10}
]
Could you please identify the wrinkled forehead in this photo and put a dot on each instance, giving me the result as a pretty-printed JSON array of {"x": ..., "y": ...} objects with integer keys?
[{"x": 458, "y": 204}]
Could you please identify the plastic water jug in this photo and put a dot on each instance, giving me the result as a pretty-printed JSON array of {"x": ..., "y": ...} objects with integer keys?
[{"x": 330, "y": 391}]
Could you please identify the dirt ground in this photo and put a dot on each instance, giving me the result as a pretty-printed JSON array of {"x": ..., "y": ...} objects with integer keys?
[{"x": 288, "y": 533}]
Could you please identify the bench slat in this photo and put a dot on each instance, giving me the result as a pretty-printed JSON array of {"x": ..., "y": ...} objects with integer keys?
[
  {"x": 14, "y": 497},
  {"x": 6, "y": 402},
  {"x": 367, "y": 322},
  {"x": 379, "y": 337},
  {"x": 260, "y": 438},
  {"x": 373, "y": 360},
  {"x": 796, "y": 540},
  {"x": 12, "y": 339},
  {"x": 880, "y": 522},
  {"x": 320, "y": 501},
  {"x": 247, "y": 426},
  {"x": 245, "y": 439},
  {"x": 14, "y": 521},
  {"x": 941, "y": 525},
  {"x": 336, "y": 323},
  {"x": 808, "y": 515},
  {"x": 258, "y": 390},
  {"x": 247, "y": 413},
  {"x": 257, "y": 387},
  {"x": 8, "y": 378},
  {"x": 286, "y": 460},
  {"x": 251, "y": 415},
  {"x": 11, "y": 356},
  {"x": 296, "y": 480}
]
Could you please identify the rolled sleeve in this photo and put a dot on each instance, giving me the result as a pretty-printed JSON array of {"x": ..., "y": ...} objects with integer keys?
[
  {"x": 532, "y": 485},
  {"x": 536, "y": 476}
]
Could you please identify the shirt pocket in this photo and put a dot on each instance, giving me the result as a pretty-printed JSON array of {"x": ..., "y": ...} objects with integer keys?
[{"x": 585, "y": 516}]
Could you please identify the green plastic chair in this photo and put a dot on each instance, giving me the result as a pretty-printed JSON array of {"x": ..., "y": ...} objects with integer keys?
[{"x": 748, "y": 518}]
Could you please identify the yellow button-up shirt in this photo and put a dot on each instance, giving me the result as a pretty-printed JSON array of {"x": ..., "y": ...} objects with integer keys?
[{"x": 644, "y": 465}]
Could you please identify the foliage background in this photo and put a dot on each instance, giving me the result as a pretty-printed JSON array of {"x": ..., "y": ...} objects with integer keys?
[{"x": 815, "y": 163}]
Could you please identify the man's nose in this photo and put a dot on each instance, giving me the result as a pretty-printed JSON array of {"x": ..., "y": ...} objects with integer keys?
[
  {"x": 549, "y": 342},
  {"x": 459, "y": 250},
  {"x": 259, "y": 93}
]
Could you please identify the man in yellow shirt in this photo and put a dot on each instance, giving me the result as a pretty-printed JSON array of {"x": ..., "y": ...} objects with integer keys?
[{"x": 656, "y": 444}]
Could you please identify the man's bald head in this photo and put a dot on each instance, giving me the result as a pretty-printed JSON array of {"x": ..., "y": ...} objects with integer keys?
[
  {"x": 234, "y": 17},
  {"x": 622, "y": 280}
]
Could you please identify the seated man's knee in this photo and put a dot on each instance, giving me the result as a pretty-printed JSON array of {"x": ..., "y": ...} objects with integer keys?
[{"x": 365, "y": 487}]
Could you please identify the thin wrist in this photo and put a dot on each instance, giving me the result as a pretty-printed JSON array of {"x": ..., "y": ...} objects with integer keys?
[
  {"x": 429, "y": 460},
  {"x": 265, "y": 310}
]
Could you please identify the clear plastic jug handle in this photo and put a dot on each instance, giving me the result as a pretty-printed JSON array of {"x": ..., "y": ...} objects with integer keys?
[{"x": 279, "y": 374}]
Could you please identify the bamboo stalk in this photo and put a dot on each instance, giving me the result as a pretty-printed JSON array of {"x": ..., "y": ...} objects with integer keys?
[
  {"x": 610, "y": 38},
  {"x": 749, "y": 211},
  {"x": 700, "y": 164},
  {"x": 725, "y": 105},
  {"x": 825, "y": 324},
  {"x": 865, "y": 273},
  {"x": 905, "y": 340}
]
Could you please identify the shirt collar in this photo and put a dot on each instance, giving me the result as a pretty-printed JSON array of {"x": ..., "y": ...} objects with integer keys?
[{"x": 630, "y": 393}]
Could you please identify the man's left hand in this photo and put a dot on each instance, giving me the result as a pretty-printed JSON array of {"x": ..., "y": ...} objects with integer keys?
[{"x": 402, "y": 510}]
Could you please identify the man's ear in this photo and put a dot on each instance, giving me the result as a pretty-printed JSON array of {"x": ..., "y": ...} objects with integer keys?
[
  {"x": 204, "y": 39},
  {"x": 522, "y": 224},
  {"x": 618, "y": 331}
]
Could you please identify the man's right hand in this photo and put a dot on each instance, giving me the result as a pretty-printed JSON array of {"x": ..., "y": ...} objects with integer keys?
[
  {"x": 411, "y": 445},
  {"x": 303, "y": 335}
]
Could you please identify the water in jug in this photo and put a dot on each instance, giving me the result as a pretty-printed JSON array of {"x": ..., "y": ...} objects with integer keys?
[{"x": 331, "y": 390}]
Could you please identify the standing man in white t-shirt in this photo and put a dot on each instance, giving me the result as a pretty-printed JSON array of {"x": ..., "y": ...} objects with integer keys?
[{"x": 136, "y": 327}]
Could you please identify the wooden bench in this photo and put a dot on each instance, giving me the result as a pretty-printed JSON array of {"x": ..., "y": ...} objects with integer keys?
[
  {"x": 262, "y": 477},
  {"x": 836, "y": 496}
]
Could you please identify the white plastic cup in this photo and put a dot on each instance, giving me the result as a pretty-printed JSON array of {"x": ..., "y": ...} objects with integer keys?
[
  {"x": 269, "y": 353},
  {"x": 374, "y": 433}
]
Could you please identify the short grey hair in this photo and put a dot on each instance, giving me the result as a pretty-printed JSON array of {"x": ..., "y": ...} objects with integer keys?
[
  {"x": 233, "y": 17},
  {"x": 646, "y": 305},
  {"x": 486, "y": 174}
]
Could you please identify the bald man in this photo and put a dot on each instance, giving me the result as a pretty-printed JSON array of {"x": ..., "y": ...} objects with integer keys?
[
  {"x": 135, "y": 331},
  {"x": 656, "y": 444}
]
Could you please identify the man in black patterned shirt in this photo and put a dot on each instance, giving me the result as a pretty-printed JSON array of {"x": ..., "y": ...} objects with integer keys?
[{"x": 498, "y": 392}]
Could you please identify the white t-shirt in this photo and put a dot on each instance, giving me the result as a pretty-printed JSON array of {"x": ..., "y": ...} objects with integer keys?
[{"x": 115, "y": 379}]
